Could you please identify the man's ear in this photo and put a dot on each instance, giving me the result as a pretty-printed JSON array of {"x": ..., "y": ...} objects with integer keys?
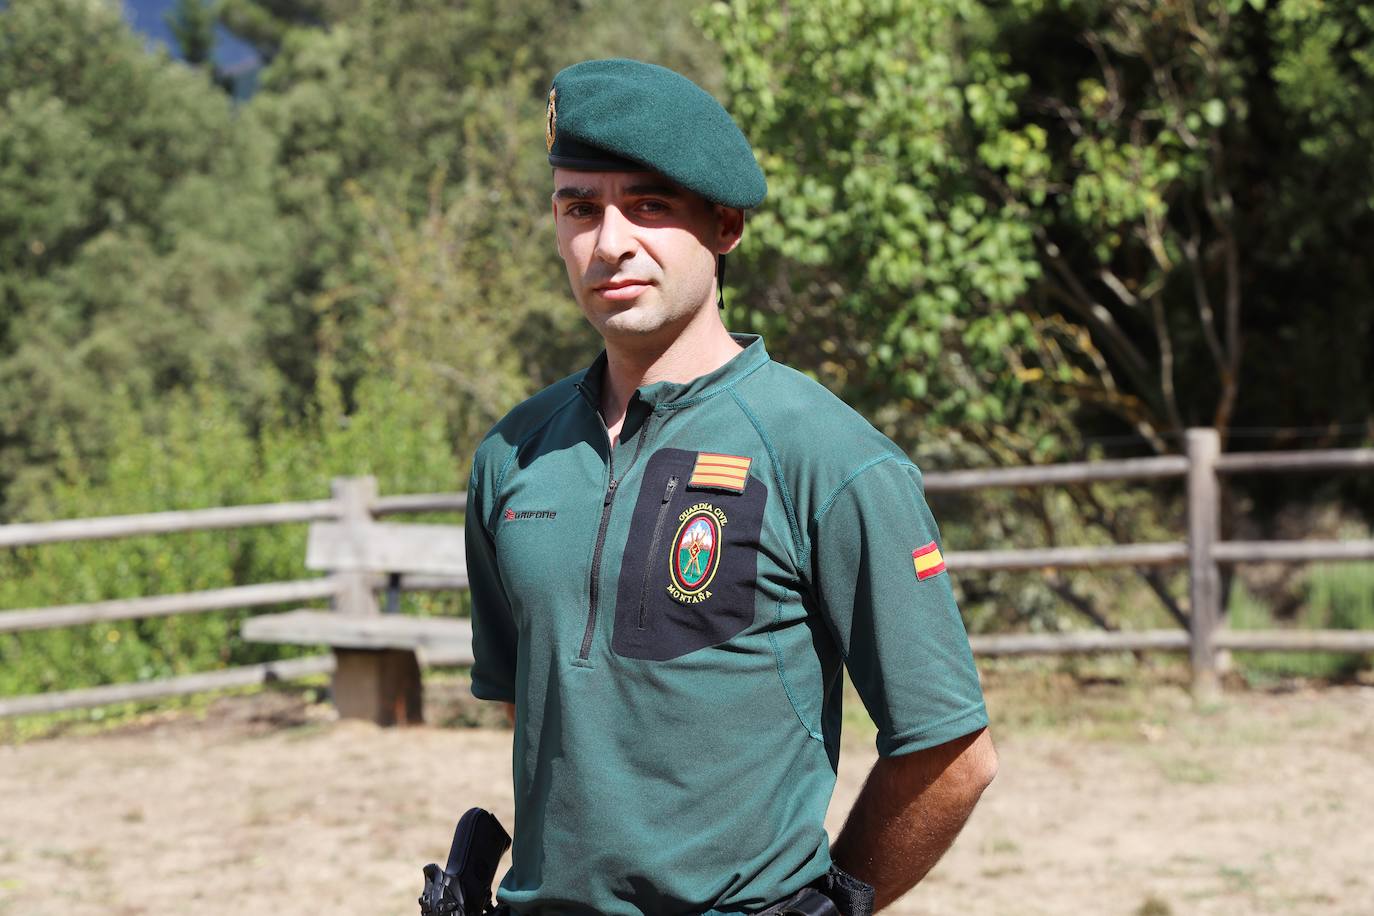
[{"x": 729, "y": 228}]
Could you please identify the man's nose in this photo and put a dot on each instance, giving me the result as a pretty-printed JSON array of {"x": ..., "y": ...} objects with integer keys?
[{"x": 615, "y": 240}]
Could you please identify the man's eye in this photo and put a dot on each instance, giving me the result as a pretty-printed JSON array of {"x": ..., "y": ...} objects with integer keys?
[
  {"x": 653, "y": 206},
  {"x": 580, "y": 211}
]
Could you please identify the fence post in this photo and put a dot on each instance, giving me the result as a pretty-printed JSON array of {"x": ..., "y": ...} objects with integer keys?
[
  {"x": 355, "y": 496},
  {"x": 1204, "y": 577}
]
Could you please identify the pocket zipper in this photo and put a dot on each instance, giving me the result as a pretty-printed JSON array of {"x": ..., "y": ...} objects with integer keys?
[{"x": 653, "y": 549}]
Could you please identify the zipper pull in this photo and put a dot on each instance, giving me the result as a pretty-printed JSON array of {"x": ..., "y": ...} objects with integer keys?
[
  {"x": 668, "y": 493},
  {"x": 610, "y": 492}
]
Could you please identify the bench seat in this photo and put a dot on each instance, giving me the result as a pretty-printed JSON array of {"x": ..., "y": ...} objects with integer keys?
[
  {"x": 377, "y": 675},
  {"x": 449, "y": 636}
]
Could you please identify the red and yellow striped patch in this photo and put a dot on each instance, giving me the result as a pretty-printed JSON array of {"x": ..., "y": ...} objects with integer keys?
[
  {"x": 720, "y": 472},
  {"x": 929, "y": 562}
]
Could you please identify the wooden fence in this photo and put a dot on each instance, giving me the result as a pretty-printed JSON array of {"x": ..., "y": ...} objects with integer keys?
[{"x": 1202, "y": 551}]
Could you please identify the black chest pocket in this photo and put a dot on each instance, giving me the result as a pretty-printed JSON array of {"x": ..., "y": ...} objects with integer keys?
[{"x": 688, "y": 577}]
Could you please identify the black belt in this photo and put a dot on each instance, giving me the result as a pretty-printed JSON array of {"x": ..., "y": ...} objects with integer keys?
[{"x": 836, "y": 893}]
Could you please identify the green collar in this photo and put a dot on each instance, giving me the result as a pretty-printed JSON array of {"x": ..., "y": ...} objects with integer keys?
[{"x": 675, "y": 395}]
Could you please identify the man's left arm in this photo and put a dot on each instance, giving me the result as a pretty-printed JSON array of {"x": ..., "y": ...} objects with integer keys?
[
  {"x": 911, "y": 808},
  {"x": 882, "y": 586}
]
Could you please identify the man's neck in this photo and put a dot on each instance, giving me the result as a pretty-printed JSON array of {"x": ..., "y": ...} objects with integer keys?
[{"x": 703, "y": 346}]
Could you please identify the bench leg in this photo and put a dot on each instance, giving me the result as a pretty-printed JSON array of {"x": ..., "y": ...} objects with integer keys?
[{"x": 380, "y": 685}]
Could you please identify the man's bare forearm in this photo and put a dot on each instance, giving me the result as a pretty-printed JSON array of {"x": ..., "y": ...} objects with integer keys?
[{"x": 909, "y": 812}]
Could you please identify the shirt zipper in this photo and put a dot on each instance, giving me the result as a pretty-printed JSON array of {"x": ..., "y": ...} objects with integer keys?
[
  {"x": 653, "y": 548},
  {"x": 594, "y": 590},
  {"x": 594, "y": 586}
]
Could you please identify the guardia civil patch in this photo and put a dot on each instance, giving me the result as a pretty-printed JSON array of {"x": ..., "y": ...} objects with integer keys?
[
  {"x": 729, "y": 473},
  {"x": 696, "y": 551},
  {"x": 691, "y": 562},
  {"x": 551, "y": 120},
  {"x": 929, "y": 561}
]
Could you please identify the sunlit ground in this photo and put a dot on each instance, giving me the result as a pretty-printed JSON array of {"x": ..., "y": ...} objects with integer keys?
[{"x": 1117, "y": 794}]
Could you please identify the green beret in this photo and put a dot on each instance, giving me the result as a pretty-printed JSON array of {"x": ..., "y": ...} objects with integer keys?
[{"x": 624, "y": 115}]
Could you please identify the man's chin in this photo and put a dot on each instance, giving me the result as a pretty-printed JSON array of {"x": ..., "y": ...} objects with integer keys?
[
  {"x": 633, "y": 328},
  {"x": 646, "y": 320},
  {"x": 634, "y": 320}
]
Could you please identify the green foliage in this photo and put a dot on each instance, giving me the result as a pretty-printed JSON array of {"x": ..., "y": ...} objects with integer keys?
[
  {"x": 138, "y": 234},
  {"x": 197, "y": 453},
  {"x": 389, "y": 178},
  {"x": 1014, "y": 220},
  {"x": 880, "y": 259},
  {"x": 193, "y": 26},
  {"x": 1189, "y": 206},
  {"x": 1063, "y": 600},
  {"x": 396, "y": 114},
  {"x": 1338, "y": 597},
  {"x": 265, "y": 24},
  {"x": 470, "y": 261}
]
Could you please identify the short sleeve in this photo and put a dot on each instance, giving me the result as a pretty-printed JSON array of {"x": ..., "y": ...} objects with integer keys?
[
  {"x": 880, "y": 583},
  {"x": 494, "y": 634}
]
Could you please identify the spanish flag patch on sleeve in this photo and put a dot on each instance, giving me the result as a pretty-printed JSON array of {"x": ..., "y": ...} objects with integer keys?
[
  {"x": 929, "y": 561},
  {"x": 720, "y": 472}
]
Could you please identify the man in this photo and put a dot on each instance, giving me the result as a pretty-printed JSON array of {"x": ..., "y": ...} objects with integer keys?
[{"x": 673, "y": 553}]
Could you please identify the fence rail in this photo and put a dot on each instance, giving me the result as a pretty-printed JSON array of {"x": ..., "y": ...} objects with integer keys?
[
  {"x": 123, "y": 526},
  {"x": 220, "y": 599},
  {"x": 1046, "y": 474},
  {"x": 1336, "y": 459},
  {"x": 354, "y": 502},
  {"x": 244, "y": 676},
  {"x": 1167, "y": 554}
]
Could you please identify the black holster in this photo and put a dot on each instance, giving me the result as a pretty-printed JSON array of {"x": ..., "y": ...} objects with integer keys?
[
  {"x": 836, "y": 893},
  {"x": 463, "y": 887}
]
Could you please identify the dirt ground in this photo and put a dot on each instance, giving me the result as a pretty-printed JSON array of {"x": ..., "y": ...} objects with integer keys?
[{"x": 1114, "y": 797}]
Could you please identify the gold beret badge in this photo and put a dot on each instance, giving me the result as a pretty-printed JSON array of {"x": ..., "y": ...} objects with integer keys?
[{"x": 551, "y": 122}]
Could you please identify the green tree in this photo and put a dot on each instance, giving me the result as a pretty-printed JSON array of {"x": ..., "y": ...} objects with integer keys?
[
  {"x": 881, "y": 259},
  {"x": 265, "y": 24},
  {"x": 193, "y": 26},
  {"x": 1148, "y": 187},
  {"x": 138, "y": 234},
  {"x": 411, "y": 163},
  {"x": 1000, "y": 228},
  {"x": 1209, "y": 170}
]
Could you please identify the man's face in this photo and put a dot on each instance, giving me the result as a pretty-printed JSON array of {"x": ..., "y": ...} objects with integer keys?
[{"x": 640, "y": 251}]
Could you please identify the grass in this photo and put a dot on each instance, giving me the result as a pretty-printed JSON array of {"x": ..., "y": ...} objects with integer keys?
[
  {"x": 1187, "y": 771},
  {"x": 1106, "y": 698},
  {"x": 1340, "y": 596},
  {"x": 1154, "y": 906}
]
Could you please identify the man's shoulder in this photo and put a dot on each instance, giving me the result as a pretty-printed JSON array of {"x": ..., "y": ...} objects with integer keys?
[
  {"x": 527, "y": 418},
  {"x": 819, "y": 442},
  {"x": 801, "y": 414}
]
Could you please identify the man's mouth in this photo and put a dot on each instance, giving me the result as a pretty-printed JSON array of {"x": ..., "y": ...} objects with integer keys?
[{"x": 621, "y": 289}]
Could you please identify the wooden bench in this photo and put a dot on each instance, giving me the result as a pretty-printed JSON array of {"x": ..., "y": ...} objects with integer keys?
[{"x": 378, "y": 651}]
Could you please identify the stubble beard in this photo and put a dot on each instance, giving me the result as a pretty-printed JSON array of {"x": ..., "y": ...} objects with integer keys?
[{"x": 651, "y": 317}]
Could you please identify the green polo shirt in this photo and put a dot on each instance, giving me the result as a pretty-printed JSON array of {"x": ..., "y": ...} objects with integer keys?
[{"x": 670, "y": 618}]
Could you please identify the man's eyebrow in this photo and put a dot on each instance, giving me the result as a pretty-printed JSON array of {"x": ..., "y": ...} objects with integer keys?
[{"x": 575, "y": 193}]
